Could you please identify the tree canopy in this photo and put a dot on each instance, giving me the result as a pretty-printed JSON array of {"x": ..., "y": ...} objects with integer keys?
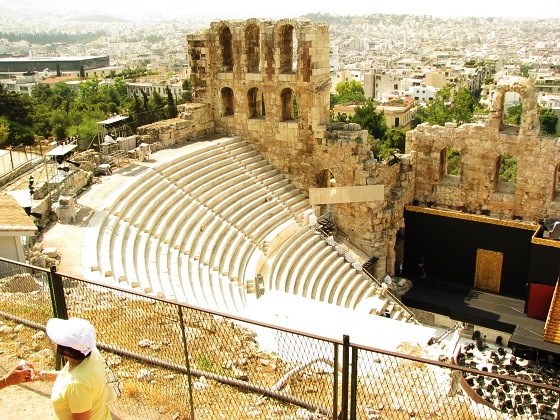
[
  {"x": 351, "y": 91},
  {"x": 548, "y": 121},
  {"x": 63, "y": 110},
  {"x": 371, "y": 120},
  {"x": 448, "y": 106}
]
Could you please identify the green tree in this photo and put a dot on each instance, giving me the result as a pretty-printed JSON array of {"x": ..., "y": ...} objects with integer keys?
[
  {"x": 351, "y": 91},
  {"x": 463, "y": 106},
  {"x": 156, "y": 100},
  {"x": 438, "y": 111},
  {"x": 548, "y": 121},
  {"x": 15, "y": 107},
  {"x": 4, "y": 130},
  {"x": 395, "y": 138},
  {"x": 371, "y": 120},
  {"x": 453, "y": 161},
  {"x": 508, "y": 169},
  {"x": 16, "y": 112},
  {"x": 186, "y": 95},
  {"x": 20, "y": 134},
  {"x": 171, "y": 107},
  {"x": 514, "y": 113},
  {"x": 60, "y": 132}
]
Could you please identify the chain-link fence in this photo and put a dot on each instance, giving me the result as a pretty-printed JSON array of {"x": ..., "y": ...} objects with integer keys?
[{"x": 182, "y": 362}]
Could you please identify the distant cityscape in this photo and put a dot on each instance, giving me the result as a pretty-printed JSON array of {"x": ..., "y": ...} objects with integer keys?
[{"x": 392, "y": 56}]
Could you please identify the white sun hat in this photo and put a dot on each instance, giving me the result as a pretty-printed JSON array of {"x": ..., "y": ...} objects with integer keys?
[{"x": 76, "y": 333}]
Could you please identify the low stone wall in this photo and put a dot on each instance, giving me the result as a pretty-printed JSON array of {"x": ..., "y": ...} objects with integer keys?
[{"x": 194, "y": 120}]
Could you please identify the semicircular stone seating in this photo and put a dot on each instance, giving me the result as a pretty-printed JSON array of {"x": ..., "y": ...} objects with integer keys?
[{"x": 214, "y": 224}]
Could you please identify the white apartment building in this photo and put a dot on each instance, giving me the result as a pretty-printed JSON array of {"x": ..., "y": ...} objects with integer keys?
[
  {"x": 422, "y": 93},
  {"x": 364, "y": 77}
]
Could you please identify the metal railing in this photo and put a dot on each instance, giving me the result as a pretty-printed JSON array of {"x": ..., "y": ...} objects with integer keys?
[
  {"x": 373, "y": 280},
  {"x": 181, "y": 361}
]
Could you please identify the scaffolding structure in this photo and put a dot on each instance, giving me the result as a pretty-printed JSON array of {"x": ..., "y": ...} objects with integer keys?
[
  {"x": 109, "y": 132},
  {"x": 60, "y": 170}
]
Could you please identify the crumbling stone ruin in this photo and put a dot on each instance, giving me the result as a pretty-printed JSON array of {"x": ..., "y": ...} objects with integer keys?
[
  {"x": 478, "y": 189},
  {"x": 268, "y": 81}
]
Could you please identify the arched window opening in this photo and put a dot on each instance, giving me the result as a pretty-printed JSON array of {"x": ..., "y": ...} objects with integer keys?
[
  {"x": 252, "y": 45},
  {"x": 227, "y": 50},
  {"x": 227, "y": 101},
  {"x": 288, "y": 49},
  {"x": 513, "y": 109},
  {"x": 252, "y": 102},
  {"x": 453, "y": 163},
  {"x": 506, "y": 175},
  {"x": 290, "y": 110},
  {"x": 556, "y": 195},
  {"x": 263, "y": 109}
]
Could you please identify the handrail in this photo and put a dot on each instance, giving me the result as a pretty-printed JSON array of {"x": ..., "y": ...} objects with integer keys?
[{"x": 371, "y": 277}]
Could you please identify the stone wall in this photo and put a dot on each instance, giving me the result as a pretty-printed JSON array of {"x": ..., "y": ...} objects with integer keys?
[
  {"x": 477, "y": 189},
  {"x": 194, "y": 120},
  {"x": 241, "y": 71}
]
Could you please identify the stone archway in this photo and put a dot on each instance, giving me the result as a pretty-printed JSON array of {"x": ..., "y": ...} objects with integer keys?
[{"x": 530, "y": 123}]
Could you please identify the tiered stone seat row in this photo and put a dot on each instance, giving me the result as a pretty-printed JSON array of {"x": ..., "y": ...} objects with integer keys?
[
  {"x": 306, "y": 265},
  {"x": 200, "y": 227},
  {"x": 193, "y": 229}
]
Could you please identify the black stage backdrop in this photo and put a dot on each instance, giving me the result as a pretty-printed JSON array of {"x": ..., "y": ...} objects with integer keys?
[
  {"x": 448, "y": 246},
  {"x": 544, "y": 267}
]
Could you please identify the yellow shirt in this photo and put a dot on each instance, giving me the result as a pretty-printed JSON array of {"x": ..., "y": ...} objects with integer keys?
[{"x": 82, "y": 389}]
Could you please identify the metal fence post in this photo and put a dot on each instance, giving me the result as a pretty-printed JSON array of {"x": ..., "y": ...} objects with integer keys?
[
  {"x": 187, "y": 363},
  {"x": 354, "y": 384},
  {"x": 59, "y": 303},
  {"x": 60, "y": 310},
  {"x": 335, "y": 379},
  {"x": 345, "y": 376}
]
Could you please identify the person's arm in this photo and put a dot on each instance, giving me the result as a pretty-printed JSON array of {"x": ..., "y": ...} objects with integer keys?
[
  {"x": 81, "y": 416},
  {"x": 15, "y": 376},
  {"x": 45, "y": 375}
]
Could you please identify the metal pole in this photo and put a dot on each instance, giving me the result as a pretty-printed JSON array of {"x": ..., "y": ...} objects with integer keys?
[
  {"x": 335, "y": 386},
  {"x": 60, "y": 301},
  {"x": 354, "y": 384},
  {"x": 187, "y": 363},
  {"x": 345, "y": 376}
]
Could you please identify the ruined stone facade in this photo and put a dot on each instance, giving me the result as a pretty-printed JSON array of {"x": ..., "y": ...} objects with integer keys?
[
  {"x": 478, "y": 189},
  {"x": 269, "y": 82}
]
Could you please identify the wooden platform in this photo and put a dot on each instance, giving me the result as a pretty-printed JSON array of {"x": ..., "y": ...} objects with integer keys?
[{"x": 463, "y": 303}]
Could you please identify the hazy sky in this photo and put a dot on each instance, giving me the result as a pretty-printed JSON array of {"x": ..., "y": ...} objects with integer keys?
[{"x": 290, "y": 8}]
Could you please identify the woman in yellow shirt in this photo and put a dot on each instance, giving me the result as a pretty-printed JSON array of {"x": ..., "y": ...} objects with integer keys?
[{"x": 79, "y": 387}]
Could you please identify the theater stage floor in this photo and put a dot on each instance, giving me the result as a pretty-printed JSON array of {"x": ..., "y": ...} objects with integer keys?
[{"x": 484, "y": 309}]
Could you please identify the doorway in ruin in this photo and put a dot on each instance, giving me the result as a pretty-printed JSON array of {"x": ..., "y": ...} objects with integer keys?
[
  {"x": 488, "y": 272},
  {"x": 289, "y": 105},
  {"x": 227, "y": 101}
]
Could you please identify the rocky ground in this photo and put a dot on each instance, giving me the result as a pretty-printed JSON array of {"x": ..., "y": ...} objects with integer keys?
[{"x": 390, "y": 387}]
